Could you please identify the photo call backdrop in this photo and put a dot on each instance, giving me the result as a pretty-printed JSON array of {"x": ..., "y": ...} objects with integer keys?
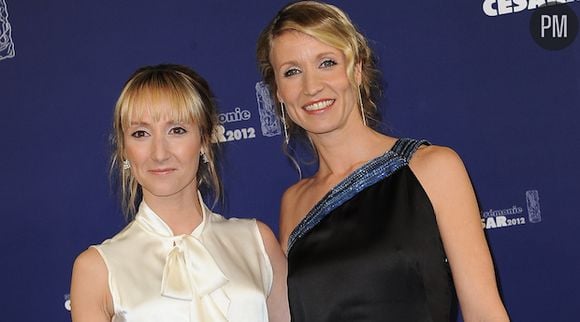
[{"x": 496, "y": 80}]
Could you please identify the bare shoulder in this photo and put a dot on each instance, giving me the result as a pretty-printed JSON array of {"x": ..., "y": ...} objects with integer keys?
[
  {"x": 90, "y": 263},
  {"x": 436, "y": 160},
  {"x": 90, "y": 296},
  {"x": 443, "y": 176},
  {"x": 267, "y": 235},
  {"x": 295, "y": 190},
  {"x": 293, "y": 208},
  {"x": 289, "y": 198},
  {"x": 271, "y": 244}
]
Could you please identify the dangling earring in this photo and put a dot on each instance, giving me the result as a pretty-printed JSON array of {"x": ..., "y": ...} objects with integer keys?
[
  {"x": 126, "y": 165},
  {"x": 286, "y": 138},
  {"x": 362, "y": 110},
  {"x": 204, "y": 158}
]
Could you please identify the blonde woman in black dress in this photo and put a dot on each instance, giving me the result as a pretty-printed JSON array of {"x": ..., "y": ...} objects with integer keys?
[{"x": 387, "y": 229}]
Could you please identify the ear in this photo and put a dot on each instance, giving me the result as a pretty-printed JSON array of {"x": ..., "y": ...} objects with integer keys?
[
  {"x": 278, "y": 97},
  {"x": 358, "y": 73}
]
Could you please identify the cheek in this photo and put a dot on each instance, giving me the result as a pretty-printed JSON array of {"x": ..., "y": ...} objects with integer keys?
[
  {"x": 138, "y": 153},
  {"x": 194, "y": 157},
  {"x": 190, "y": 152},
  {"x": 341, "y": 80},
  {"x": 286, "y": 89},
  {"x": 291, "y": 112},
  {"x": 132, "y": 153}
]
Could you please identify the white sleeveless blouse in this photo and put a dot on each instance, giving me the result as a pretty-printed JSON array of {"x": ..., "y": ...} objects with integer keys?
[{"x": 221, "y": 272}]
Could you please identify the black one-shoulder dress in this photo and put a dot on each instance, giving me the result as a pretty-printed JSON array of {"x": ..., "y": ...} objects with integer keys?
[{"x": 371, "y": 251}]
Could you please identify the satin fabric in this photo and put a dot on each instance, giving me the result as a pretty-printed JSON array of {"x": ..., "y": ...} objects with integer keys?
[
  {"x": 220, "y": 272},
  {"x": 376, "y": 257}
]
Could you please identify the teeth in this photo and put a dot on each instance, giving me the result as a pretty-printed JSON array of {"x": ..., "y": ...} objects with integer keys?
[{"x": 318, "y": 105}]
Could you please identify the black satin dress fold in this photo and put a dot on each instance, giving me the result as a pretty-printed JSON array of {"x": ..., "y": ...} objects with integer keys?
[{"x": 371, "y": 251}]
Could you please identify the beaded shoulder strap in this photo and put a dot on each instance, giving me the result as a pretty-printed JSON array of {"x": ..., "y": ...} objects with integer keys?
[{"x": 406, "y": 147}]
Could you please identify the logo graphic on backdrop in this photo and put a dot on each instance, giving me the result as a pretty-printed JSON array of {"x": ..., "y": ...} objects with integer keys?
[
  {"x": 268, "y": 118},
  {"x": 517, "y": 215},
  {"x": 229, "y": 129},
  {"x": 553, "y": 25},
  {"x": 6, "y": 43},
  {"x": 505, "y": 7}
]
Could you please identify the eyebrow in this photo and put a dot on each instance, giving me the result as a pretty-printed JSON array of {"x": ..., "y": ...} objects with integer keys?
[
  {"x": 293, "y": 62},
  {"x": 138, "y": 123},
  {"x": 142, "y": 123},
  {"x": 328, "y": 53}
]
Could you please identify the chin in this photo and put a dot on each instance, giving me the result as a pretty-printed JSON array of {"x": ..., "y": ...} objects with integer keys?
[
  {"x": 321, "y": 129},
  {"x": 164, "y": 192}
]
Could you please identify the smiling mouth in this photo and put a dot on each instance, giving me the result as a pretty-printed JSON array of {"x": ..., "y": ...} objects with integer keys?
[{"x": 320, "y": 105}]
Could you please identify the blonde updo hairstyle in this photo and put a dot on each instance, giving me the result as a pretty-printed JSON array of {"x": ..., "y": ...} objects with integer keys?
[
  {"x": 333, "y": 27},
  {"x": 190, "y": 100}
]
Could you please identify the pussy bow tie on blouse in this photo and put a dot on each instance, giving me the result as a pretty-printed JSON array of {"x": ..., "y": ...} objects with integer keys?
[{"x": 191, "y": 273}]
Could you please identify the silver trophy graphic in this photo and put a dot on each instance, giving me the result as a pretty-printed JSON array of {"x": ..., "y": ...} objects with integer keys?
[
  {"x": 533, "y": 203},
  {"x": 268, "y": 118},
  {"x": 6, "y": 44}
]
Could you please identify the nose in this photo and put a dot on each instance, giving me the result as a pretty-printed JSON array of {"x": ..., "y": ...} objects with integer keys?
[
  {"x": 160, "y": 149},
  {"x": 312, "y": 84}
]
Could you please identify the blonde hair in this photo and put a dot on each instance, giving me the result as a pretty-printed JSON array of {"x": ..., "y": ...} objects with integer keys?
[
  {"x": 333, "y": 27},
  {"x": 191, "y": 100}
]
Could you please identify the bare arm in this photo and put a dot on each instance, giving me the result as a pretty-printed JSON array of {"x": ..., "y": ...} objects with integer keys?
[
  {"x": 90, "y": 297},
  {"x": 444, "y": 178},
  {"x": 278, "y": 310}
]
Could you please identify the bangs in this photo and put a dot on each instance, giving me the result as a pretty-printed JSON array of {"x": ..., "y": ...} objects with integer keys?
[{"x": 167, "y": 100}]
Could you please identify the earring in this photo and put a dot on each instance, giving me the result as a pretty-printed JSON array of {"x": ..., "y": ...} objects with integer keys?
[
  {"x": 286, "y": 138},
  {"x": 362, "y": 110},
  {"x": 204, "y": 158},
  {"x": 126, "y": 165}
]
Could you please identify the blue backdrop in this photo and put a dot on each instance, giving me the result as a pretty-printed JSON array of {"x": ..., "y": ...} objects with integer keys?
[{"x": 466, "y": 74}]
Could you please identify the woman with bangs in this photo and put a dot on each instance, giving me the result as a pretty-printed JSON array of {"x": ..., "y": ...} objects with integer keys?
[
  {"x": 387, "y": 229},
  {"x": 176, "y": 260}
]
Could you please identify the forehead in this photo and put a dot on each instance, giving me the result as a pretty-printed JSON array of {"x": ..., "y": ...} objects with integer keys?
[{"x": 293, "y": 46}]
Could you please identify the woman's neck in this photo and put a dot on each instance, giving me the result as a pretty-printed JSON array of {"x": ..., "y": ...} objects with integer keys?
[
  {"x": 341, "y": 152},
  {"x": 181, "y": 212}
]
